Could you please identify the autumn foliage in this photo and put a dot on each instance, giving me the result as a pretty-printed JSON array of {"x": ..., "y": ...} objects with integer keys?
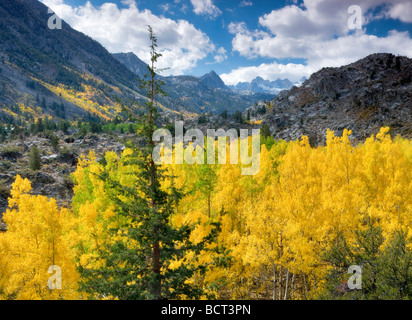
[{"x": 278, "y": 225}]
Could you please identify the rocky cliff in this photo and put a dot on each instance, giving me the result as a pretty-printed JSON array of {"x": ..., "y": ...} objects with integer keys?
[{"x": 363, "y": 96}]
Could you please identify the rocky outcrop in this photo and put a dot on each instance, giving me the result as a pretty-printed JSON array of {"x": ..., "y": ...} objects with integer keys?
[{"x": 373, "y": 92}]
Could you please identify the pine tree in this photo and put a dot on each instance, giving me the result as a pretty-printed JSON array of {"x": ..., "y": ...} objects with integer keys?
[
  {"x": 265, "y": 131},
  {"x": 386, "y": 270},
  {"x": 39, "y": 125},
  {"x": 364, "y": 253},
  {"x": 395, "y": 268},
  {"x": 148, "y": 257},
  {"x": 54, "y": 142},
  {"x": 34, "y": 159}
]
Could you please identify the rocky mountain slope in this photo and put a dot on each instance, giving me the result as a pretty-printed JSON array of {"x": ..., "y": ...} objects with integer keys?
[
  {"x": 65, "y": 74},
  {"x": 363, "y": 96},
  {"x": 57, "y": 72}
]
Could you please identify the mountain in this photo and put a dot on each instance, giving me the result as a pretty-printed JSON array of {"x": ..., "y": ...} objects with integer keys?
[
  {"x": 213, "y": 81},
  {"x": 65, "y": 74},
  {"x": 207, "y": 93},
  {"x": 363, "y": 96},
  {"x": 259, "y": 85},
  {"x": 57, "y": 72}
]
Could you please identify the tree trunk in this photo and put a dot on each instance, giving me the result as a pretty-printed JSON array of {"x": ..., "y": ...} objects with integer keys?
[
  {"x": 157, "y": 284},
  {"x": 274, "y": 283},
  {"x": 209, "y": 204},
  {"x": 305, "y": 285},
  {"x": 292, "y": 287},
  {"x": 22, "y": 141},
  {"x": 287, "y": 285},
  {"x": 280, "y": 283}
]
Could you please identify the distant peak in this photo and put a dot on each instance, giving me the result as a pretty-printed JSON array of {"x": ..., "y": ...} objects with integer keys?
[
  {"x": 211, "y": 73},
  {"x": 212, "y": 80}
]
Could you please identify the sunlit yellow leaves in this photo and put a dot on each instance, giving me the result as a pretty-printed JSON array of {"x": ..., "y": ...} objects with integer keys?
[
  {"x": 305, "y": 197},
  {"x": 276, "y": 224},
  {"x": 34, "y": 241}
]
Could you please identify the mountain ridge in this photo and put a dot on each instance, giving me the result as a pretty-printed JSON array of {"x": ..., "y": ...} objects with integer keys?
[
  {"x": 204, "y": 94},
  {"x": 260, "y": 85},
  {"x": 132, "y": 62}
]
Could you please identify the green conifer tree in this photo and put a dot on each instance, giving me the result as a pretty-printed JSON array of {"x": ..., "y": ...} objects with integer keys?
[
  {"x": 395, "y": 268},
  {"x": 386, "y": 272},
  {"x": 146, "y": 272},
  {"x": 34, "y": 159}
]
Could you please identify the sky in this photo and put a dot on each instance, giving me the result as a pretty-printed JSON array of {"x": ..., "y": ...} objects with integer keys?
[{"x": 243, "y": 39}]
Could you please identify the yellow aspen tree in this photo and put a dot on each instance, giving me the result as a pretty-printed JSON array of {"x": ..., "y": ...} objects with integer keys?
[
  {"x": 34, "y": 242},
  {"x": 387, "y": 178}
]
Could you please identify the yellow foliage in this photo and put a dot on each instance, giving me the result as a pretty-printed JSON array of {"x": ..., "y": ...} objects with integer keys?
[
  {"x": 33, "y": 242},
  {"x": 276, "y": 224}
]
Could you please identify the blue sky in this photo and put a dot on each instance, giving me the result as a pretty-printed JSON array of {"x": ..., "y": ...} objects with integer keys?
[{"x": 242, "y": 39}]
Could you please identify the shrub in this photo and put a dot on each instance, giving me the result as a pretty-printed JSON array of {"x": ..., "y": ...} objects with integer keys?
[
  {"x": 10, "y": 152},
  {"x": 67, "y": 154},
  {"x": 4, "y": 189}
]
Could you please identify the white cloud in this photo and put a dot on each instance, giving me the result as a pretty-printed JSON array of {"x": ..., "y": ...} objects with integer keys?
[
  {"x": 239, "y": 27},
  {"x": 246, "y": 3},
  {"x": 221, "y": 55},
  {"x": 317, "y": 19},
  {"x": 318, "y": 32},
  {"x": 269, "y": 71},
  {"x": 401, "y": 11},
  {"x": 128, "y": 2},
  {"x": 315, "y": 30},
  {"x": 165, "y": 7},
  {"x": 205, "y": 7},
  {"x": 125, "y": 30}
]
